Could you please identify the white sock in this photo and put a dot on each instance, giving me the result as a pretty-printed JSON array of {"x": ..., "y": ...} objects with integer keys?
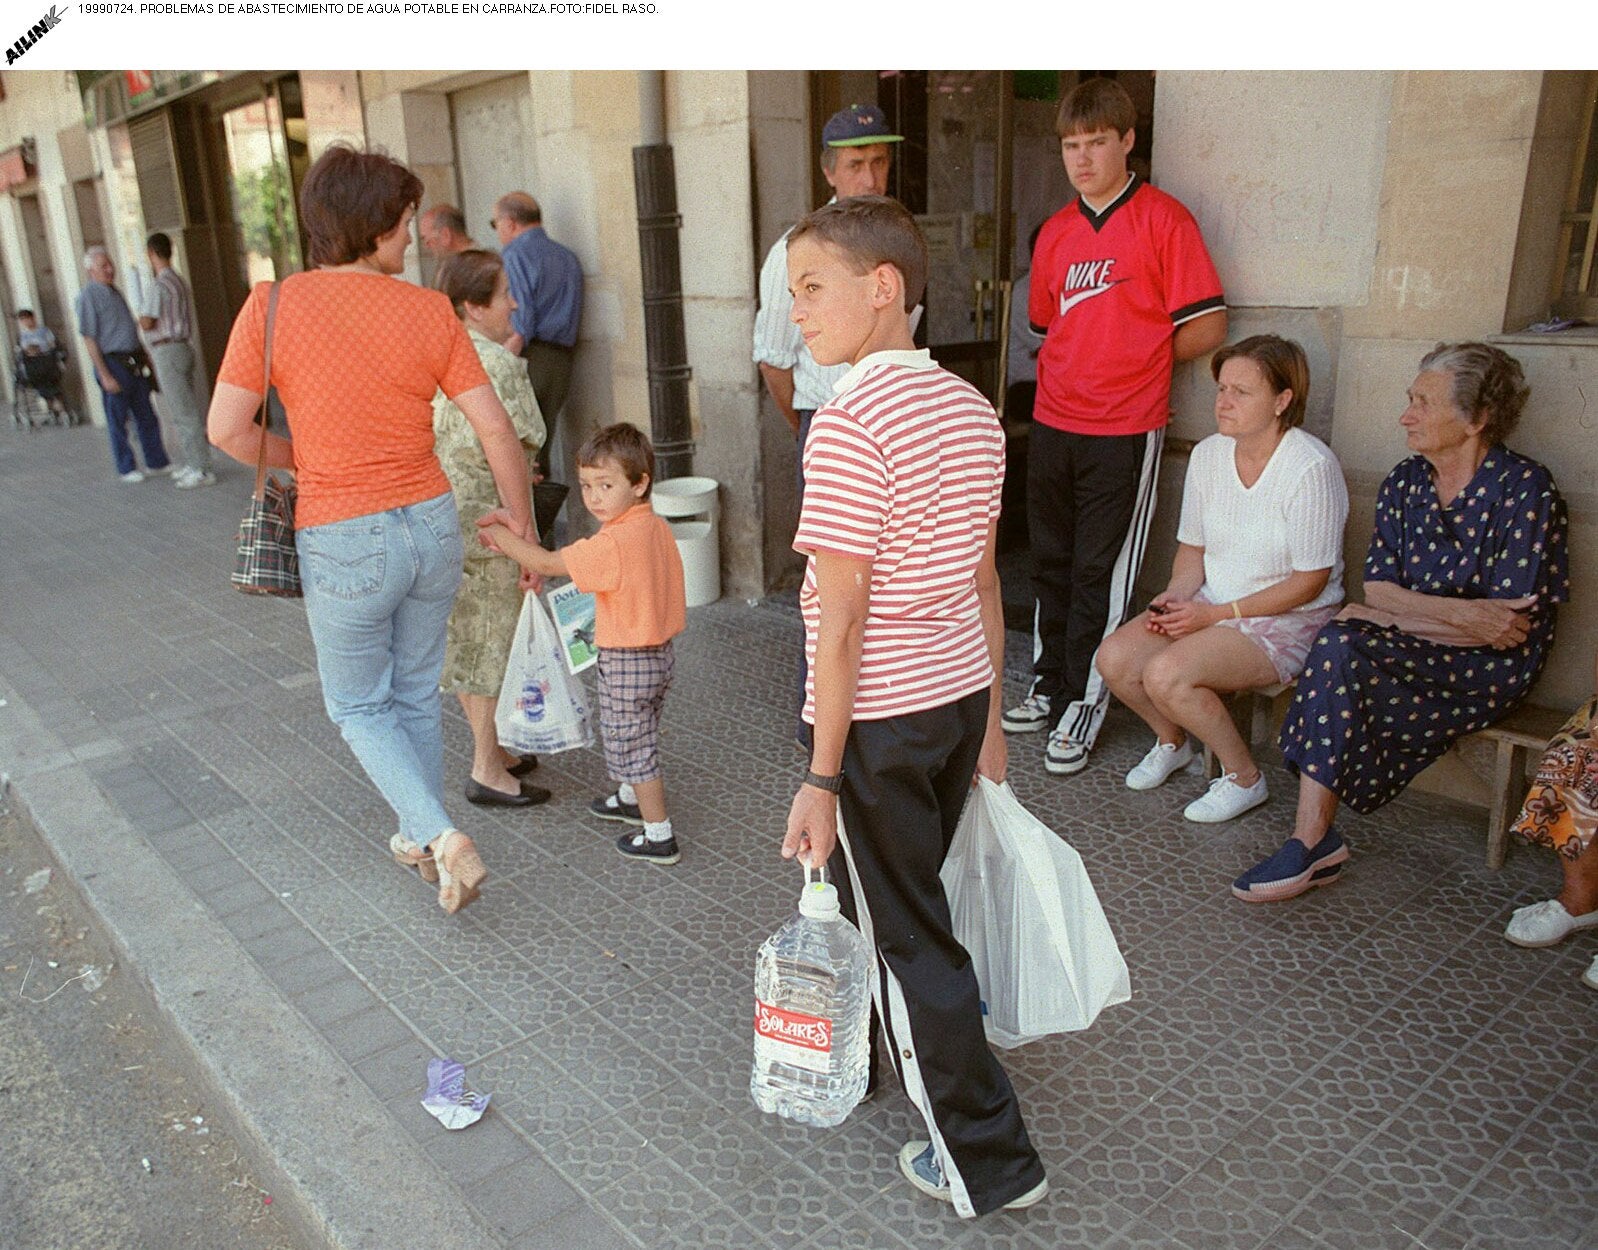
[
  {"x": 658, "y": 830},
  {"x": 626, "y": 794}
]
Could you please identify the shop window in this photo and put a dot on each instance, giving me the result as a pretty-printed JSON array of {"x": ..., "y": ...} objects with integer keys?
[
  {"x": 1576, "y": 277},
  {"x": 155, "y": 167}
]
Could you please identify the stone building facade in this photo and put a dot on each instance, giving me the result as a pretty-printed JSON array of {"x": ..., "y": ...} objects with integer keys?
[{"x": 1368, "y": 214}]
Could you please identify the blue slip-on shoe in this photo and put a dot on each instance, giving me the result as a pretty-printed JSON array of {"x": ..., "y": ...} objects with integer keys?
[{"x": 1293, "y": 870}]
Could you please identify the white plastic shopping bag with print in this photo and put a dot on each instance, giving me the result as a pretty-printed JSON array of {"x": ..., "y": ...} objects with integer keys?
[
  {"x": 542, "y": 707},
  {"x": 1024, "y": 908}
]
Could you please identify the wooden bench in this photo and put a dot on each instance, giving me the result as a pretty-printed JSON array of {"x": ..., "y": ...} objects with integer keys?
[{"x": 1527, "y": 728}]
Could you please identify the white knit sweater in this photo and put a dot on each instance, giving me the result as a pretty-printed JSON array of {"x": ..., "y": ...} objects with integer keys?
[{"x": 1291, "y": 520}]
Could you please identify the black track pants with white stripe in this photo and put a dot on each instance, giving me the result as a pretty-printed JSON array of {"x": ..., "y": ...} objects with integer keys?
[
  {"x": 905, "y": 781},
  {"x": 1090, "y": 499}
]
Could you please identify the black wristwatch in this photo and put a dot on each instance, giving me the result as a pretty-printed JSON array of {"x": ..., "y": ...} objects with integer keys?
[{"x": 832, "y": 785}]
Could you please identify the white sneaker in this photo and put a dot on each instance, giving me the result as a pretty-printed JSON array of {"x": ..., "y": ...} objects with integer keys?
[
  {"x": 131, "y": 476},
  {"x": 161, "y": 472},
  {"x": 1590, "y": 977},
  {"x": 1028, "y": 716},
  {"x": 1063, "y": 756},
  {"x": 181, "y": 475},
  {"x": 1163, "y": 759},
  {"x": 1546, "y": 924},
  {"x": 1225, "y": 800},
  {"x": 188, "y": 479}
]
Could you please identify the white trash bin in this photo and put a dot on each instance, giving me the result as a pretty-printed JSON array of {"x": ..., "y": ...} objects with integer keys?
[{"x": 693, "y": 510}]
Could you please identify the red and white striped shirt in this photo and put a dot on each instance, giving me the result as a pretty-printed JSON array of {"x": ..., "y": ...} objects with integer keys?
[{"x": 903, "y": 468}]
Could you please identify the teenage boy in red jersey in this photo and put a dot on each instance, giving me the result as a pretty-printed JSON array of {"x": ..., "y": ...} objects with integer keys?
[
  {"x": 904, "y": 633},
  {"x": 1122, "y": 289}
]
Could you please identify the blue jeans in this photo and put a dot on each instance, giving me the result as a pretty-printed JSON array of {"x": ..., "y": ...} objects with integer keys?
[
  {"x": 133, "y": 400},
  {"x": 378, "y": 592}
]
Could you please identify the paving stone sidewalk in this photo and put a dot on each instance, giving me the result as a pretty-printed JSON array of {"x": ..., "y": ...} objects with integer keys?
[{"x": 1371, "y": 1066}]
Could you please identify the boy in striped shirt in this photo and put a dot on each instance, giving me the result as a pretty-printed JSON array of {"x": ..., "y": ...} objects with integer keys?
[{"x": 904, "y": 636}]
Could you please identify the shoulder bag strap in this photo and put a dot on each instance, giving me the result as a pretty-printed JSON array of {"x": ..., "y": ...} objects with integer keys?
[{"x": 266, "y": 389}]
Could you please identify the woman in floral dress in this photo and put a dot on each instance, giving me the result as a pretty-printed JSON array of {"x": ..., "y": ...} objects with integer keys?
[
  {"x": 1464, "y": 569},
  {"x": 483, "y": 621},
  {"x": 1561, "y": 813}
]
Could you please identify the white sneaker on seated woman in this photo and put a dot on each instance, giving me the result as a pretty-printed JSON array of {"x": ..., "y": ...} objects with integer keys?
[{"x": 1258, "y": 571}]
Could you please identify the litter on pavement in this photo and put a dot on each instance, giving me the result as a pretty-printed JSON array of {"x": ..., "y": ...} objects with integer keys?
[{"x": 448, "y": 1099}]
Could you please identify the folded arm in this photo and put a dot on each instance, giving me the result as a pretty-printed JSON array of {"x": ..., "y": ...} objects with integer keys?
[{"x": 1496, "y": 623}]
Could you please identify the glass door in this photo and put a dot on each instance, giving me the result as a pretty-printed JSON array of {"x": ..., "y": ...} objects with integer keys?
[
  {"x": 260, "y": 185},
  {"x": 953, "y": 173}
]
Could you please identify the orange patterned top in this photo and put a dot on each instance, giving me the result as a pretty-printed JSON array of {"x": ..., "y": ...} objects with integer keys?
[{"x": 356, "y": 359}]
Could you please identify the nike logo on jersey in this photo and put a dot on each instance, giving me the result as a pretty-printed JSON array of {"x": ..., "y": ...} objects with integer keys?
[{"x": 1093, "y": 275}]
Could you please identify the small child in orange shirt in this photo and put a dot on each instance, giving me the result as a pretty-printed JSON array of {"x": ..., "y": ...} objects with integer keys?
[{"x": 634, "y": 572}]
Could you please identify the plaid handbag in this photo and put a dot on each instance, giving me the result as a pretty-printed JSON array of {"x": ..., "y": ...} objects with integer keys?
[{"x": 268, "y": 562}]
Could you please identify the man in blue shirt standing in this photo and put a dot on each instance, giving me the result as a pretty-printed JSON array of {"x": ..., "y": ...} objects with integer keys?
[
  {"x": 111, "y": 337},
  {"x": 546, "y": 281}
]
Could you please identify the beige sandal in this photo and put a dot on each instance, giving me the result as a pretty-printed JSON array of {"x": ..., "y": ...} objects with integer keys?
[
  {"x": 409, "y": 855},
  {"x": 460, "y": 870}
]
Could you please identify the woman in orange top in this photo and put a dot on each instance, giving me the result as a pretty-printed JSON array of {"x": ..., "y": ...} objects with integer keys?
[{"x": 356, "y": 359}]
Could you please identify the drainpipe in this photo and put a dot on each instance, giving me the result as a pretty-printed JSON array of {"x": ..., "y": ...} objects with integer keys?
[{"x": 665, "y": 340}]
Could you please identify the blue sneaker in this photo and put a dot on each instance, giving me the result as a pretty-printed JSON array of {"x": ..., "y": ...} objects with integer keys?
[
  {"x": 919, "y": 1163},
  {"x": 1293, "y": 870}
]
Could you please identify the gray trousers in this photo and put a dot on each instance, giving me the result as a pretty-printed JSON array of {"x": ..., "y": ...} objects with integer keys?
[{"x": 176, "y": 370}]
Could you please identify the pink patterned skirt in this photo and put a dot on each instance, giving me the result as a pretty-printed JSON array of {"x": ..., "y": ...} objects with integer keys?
[{"x": 1285, "y": 639}]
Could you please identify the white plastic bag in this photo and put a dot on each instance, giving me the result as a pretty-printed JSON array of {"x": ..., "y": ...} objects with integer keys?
[
  {"x": 541, "y": 706},
  {"x": 1024, "y": 908}
]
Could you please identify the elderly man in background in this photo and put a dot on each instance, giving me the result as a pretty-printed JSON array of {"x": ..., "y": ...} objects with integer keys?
[
  {"x": 111, "y": 337},
  {"x": 167, "y": 333},
  {"x": 546, "y": 281},
  {"x": 856, "y": 158},
  {"x": 443, "y": 231}
]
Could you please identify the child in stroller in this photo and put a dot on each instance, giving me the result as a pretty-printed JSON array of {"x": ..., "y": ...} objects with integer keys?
[{"x": 39, "y": 362}]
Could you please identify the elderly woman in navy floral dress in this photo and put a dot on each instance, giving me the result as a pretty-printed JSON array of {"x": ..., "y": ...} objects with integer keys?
[{"x": 1464, "y": 570}]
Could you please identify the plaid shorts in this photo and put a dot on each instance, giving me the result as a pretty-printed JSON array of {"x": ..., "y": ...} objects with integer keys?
[{"x": 632, "y": 689}]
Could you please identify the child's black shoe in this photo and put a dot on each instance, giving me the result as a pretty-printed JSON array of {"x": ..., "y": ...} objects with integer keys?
[
  {"x": 638, "y": 846},
  {"x": 612, "y": 808}
]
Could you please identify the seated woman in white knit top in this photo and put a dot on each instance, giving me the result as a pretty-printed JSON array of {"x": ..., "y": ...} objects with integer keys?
[{"x": 1258, "y": 571}]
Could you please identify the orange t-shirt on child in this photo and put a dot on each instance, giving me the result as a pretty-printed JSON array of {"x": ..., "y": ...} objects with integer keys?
[
  {"x": 356, "y": 359},
  {"x": 634, "y": 572}
]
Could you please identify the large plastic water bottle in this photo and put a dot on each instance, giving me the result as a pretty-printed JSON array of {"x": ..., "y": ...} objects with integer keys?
[{"x": 812, "y": 1009}]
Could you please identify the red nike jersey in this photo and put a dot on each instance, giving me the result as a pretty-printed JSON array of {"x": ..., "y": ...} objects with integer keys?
[{"x": 1108, "y": 291}]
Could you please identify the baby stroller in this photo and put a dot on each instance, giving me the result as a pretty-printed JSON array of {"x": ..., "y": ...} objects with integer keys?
[{"x": 40, "y": 398}]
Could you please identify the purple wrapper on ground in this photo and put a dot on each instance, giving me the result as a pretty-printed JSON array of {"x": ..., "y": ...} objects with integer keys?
[{"x": 448, "y": 1099}]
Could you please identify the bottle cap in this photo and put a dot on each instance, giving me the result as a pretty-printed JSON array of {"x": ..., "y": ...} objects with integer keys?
[{"x": 819, "y": 901}]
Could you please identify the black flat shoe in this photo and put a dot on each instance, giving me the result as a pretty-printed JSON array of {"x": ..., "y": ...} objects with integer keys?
[
  {"x": 484, "y": 796},
  {"x": 523, "y": 766}
]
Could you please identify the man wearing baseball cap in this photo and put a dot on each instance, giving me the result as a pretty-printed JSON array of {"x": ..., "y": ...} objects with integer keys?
[{"x": 856, "y": 155}]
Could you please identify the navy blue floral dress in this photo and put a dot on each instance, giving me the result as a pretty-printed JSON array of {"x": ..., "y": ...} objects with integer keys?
[{"x": 1375, "y": 705}]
